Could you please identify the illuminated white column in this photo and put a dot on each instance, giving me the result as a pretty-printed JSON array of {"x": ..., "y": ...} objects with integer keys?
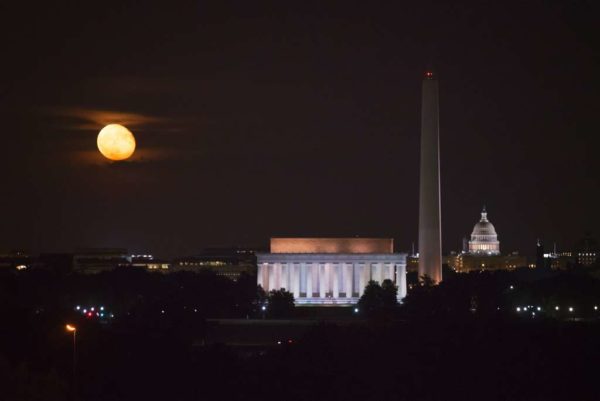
[
  {"x": 296, "y": 280},
  {"x": 322, "y": 281},
  {"x": 401, "y": 281},
  {"x": 336, "y": 269},
  {"x": 377, "y": 272},
  {"x": 271, "y": 272},
  {"x": 265, "y": 276},
  {"x": 277, "y": 271},
  {"x": 362, "y": 270},
  {"x": 259, "y": 276},
  {"x": 340, "y": 278},
  {"x": 309, "y": 280},
  {"x": 389, "y": 271},
  {"x": 373, "y": 271},
  {"x": 285, "y": 276},
  {"x": 358, "y": 279},
  {"x": 349, "y": 276},
  {"x": 303, "y": 275},
  {"x": 290, "y": 277}
]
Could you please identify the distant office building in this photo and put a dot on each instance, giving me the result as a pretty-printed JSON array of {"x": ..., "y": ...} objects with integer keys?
[
  {"x": 15, "y": 259},
  {"x": 412, "y": 263},
  {"x": 147, "y": 261},
  {"x": 482, "y": 252},
  {"x": 584, "y": 255},
  {"x": 412, "y": 260},
  {"x": 586, "y": 252},
  {"x": 464, "y": 262},
  {"x": 226, "y": 262},
  {"x": 558, "y": 260},
  {"x": 96, "y": 260},
  {"x": 330, "y": 271}
]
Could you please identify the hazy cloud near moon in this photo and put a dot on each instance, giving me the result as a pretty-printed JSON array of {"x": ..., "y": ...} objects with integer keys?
[
  {"x": 152, "y": 145},
  {"x": 140, "y": 156},
  {"x": 95, "y": 119}
]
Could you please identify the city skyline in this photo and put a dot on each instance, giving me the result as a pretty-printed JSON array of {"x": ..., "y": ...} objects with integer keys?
[{"x": 268, "y": 123}]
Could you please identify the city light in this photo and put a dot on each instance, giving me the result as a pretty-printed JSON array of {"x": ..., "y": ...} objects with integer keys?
[
  {"x": 570, "y": 309},
  {"x": 355, "y": 310},
  {"x": 556, "y": 308},
  {"x": 518, "y": 309},
  {"x": 264, "y": 307},
  {"x": 595, "y": 307},
  {"x": 70, "y": 327},
  {"x": 539, "y": 309}
]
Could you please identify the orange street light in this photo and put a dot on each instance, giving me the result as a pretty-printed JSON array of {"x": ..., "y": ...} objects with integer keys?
[{"x": 72, "y": 329}]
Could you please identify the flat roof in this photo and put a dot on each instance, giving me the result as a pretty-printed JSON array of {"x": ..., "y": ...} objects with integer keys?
[{"x": 332, "y": 245}]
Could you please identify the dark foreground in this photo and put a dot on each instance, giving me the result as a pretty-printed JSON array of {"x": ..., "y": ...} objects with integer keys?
[
  {"x": 493, "y": 358},
  {"x": 188, "y": 337}
]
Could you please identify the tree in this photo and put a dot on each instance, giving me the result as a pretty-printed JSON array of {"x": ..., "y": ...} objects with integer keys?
[
  {"x": 281, "y": 303},
  {"x": 389, "y": 293},
  {"x": 426, "y": 281},
  {"x": 377, "y": 298}
]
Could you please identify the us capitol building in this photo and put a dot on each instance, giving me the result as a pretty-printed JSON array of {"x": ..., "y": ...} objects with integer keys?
[{"x": 482, "y": 252}]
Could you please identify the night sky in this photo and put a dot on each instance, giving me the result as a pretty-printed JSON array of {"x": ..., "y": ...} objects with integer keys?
[{"x": 295, "y": 118}]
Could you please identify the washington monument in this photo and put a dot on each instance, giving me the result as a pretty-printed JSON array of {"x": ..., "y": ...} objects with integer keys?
[{"x": 430, "y": 242}]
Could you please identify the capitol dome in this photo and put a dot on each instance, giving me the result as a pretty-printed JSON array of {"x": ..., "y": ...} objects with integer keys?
[{"x": 484, "y": 240}]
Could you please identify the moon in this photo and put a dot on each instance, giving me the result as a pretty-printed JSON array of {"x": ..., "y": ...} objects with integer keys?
[{"x": 116, "y": 142}]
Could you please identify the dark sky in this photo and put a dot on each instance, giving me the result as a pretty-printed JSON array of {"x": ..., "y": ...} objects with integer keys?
[{"x": 294, "y": 118}]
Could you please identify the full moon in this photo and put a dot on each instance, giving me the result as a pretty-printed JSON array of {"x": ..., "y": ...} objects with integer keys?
[{"x": 116, "y": 142}]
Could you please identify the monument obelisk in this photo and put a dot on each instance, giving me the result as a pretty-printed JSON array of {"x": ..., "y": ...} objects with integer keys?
[{"x": 430, "y": 233}]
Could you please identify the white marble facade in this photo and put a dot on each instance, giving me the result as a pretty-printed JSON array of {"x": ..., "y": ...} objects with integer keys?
[{"x": 329, "y": 278}]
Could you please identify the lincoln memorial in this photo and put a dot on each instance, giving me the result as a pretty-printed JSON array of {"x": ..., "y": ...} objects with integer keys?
[{"x": 330, "y": 271}]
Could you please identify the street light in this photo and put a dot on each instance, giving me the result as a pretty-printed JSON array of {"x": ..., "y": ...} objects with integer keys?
[{"x": 73, "y": 329}]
